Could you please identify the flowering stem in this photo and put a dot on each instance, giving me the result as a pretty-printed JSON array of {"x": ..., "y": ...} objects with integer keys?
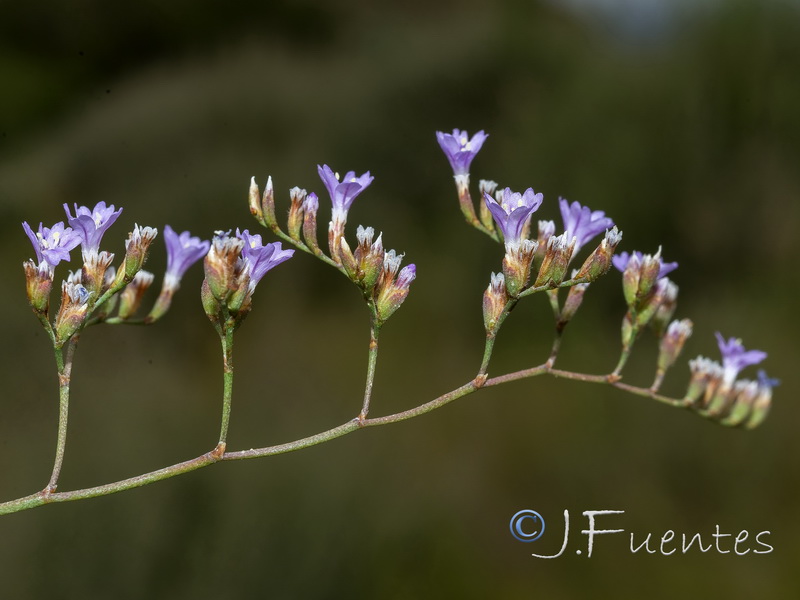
[
  {"x": 626, "y": 351},
  {"x": 226, "y": 337},
  {"x": 544, "y": 288},
  {"x": 301, "y": 246},
  {"x": 372, "y": 361},
  {"x": 64, "y": 374},
  {"x": 209, "y": 458},
  {"x": 552, "y": 295}
]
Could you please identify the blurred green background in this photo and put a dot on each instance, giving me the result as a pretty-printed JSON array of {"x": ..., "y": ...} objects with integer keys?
[{"x": 681, "y": 120}]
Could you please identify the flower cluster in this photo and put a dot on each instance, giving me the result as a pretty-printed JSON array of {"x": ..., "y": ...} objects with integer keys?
[
  {"x": 651, "y": 297},
  {"x": 374, "y": 270},
  {"x": 233, "y": 266},
  {"x": 715, "y": 392}
]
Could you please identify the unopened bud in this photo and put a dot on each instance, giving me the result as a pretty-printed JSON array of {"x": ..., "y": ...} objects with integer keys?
[
  {"x": 254, "y": 199},
  {"x": 38, "y": 283},
  {"x": 665, "y": 309},
  {"x": 556, "y": 259},
  {"x": 268, "y": 205},
  {"x": 393, "y": 295},
  {"x": 220, "y": 265},
  {"x": 295, "y": 220},
  {"x": 94, "y": 271},
  {"x": 136, "y": 247},
  {"x": 761, "y": 406},
  {"x": 705, "y": 374},
  {"x": 745, "y": 392},
  {"x": 647, "y": 307},
  {"x": 131, "y": 297},
  {"x": 211, "y": 305},
  {"x": 310, "y": 208},
  {"x": 650, "y": 269},
  {"x": 348, "y": 261},
  {"x": 572, "y": 303},
  {"x": 672, "y": 343},
  {"x": 369, "y": 256},
  {"x": 599, "y": 261},
  {"x": 486, "y": 187},
  {"x": 72, "y": 312},
  {"x": 517, "y": 265},
  {"x": 494, "y": 301},
  {"x": 630, "y": 279}
]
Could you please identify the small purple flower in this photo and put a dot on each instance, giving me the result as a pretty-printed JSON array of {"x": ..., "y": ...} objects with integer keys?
[
  {"x": 512, "y": 212},
  {"x": 182, "y": 252},
  {"x": 91, "y": 225},
  {"x": 621, "y": 260},
  {"x": 460, "y": 149},
  {"x": 735, "y": 357},
  {"x": 767, "y": 382},
  {"x": 52, "y": 245},
  {"x": 259, "y": 258},
  {"x": 583, "y": 223},
  {"x": 343, "y": 192}
]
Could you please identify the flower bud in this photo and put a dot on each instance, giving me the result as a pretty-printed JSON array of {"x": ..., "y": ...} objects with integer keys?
[
  {"x": 546, "y": 230},
  {"x": 665, "y": 309},
  {"x": 72, "y": 312},
  {"x": 630, "y": 279},
  {"x": 761, "y": 406},
  {"x": 486, "y": 187},
  {"x": 517, "y": 265},
  {"x": 220, "y": 265},
  {"x": 369, "y": 256},
  {"x": 391, "y": 296},
  {"x": 348, "y": 261},
  {"x": 254, "y": 198},
  {"x": 268, "y": 205},
  {"x": 745, "y": 395},
  {"x": 38, "y": 283},
  {"x": 705, "y": 374},
  {"x": 647, "y": 307},
  {"x": 599, "y": 261},
  {"x": 131, "y": 297},
  {"x": 494, "y": 301},
  {"x": 648, "y": 274},
  {"x": 572, "y": 303},
  {"x": 211, "y": 305},
  {"x": 94, "y": 271},
  {"x": 310, "y": 208},
  {"x": 672, "y": 343},
  {"x": 295, "y": 220},
  {"x": 136, "y": 247},
  {"x": 555, "y": 262}
]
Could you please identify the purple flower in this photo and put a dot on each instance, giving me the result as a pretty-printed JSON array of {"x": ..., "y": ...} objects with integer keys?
[
  {"x": 52, "y": 245},
  {"x": 460, "y": 149},
  {"x": 621, "y": 260},
  {"x": 182, "y": 252},
  {"x": 91, "y": 225},
  {"x": 735, "y": 357},
  {"x": 258, "y": 258},
  {"x": 767, "y": 382},
  {"x": 583, "y": 223},
  {"x": 343, "y": 193},
  {"x": 513, "y": 211}
]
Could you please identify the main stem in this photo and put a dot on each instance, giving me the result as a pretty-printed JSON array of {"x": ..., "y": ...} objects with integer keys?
[
  {"x": 226, "y": 337},
  {"x": 210, "y": 458},
  {"x": 64, "y": 375}
]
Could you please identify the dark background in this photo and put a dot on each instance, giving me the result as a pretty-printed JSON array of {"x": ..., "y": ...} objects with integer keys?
[{"x": 683, "y": 125}]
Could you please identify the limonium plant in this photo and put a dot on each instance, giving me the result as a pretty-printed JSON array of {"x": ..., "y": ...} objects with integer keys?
[{"x": 537, "y": 256}]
